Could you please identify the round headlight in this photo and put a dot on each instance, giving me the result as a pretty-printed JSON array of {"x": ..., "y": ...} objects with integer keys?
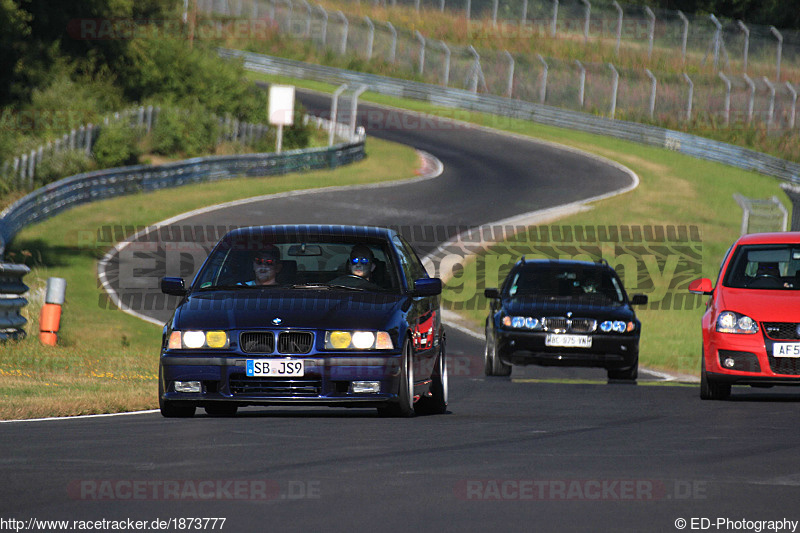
[
  {"x": 339, "y": 340},
  {"x": 518, "y": 322},
  {"x": 727, "y": 320},
  {"x": 531, "y": 323},
  {"x": 363, "y": 339},
  {"x": 606, "y": 326},
  {"x": 216, "y": 339},
  {"x": 619, "y": 326},
  {"x": 194, "y": 339}
]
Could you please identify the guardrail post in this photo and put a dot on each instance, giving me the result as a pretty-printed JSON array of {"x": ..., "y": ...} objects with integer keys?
[
  {"x": 393, "y": 44},
  {"x": 543, "y": 86},
  {"x": 653, "y": 85},
  {"x": 12, "y": 288},
  {"x": 746, "y": 50},
  {"x": 510, "y": 84},
  {"x": 324, "y": 32},
  {"x": 334, "y": 112},
  {"x": 581, "y": 83},
  {"x": 354, "y": 108},
  {"x": 614, "y": 89},
  {"x": 727, "y": 98},
  {"x": 771, "y": 110},
  {"x": 468, "y": 9},
  {"x": 370, "y": 37},
  {"x": 794, "y": 104},
  {"x": 554, "y": 24},
  {"x": 587, "y": 15},
  {"x": 494, "y": 12},
  {"x": 691, "y": 96},
  {"x": 524, "y": 18},
  {"x": 446, "y": 71},
  {"x": 421, "y": 41},
  {"x": 345, "y": 29},
  {"x": 717, "y": 40},
  {"x": 778, "y": 36},
  {"x": 651, "y": 28},
  {"x": 684, "y": 35}
]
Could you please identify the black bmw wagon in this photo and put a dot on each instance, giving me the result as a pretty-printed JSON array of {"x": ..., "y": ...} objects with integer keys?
[{"x": 563, "y": 313}]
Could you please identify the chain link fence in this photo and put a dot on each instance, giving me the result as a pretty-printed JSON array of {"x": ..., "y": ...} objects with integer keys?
[{"x": 753, "y": 80}]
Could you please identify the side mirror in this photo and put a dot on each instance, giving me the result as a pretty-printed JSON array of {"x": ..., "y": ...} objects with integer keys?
[
  {"x": 638, "y": 299},
  {"x": 701, "y": 286},
  {"x": 427, "y": 287},
  {"x": 492, "y": 294},
  {"x": 174, "y": 286}
]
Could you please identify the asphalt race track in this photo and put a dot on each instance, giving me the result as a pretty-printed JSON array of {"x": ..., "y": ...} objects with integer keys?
[{"x": 544, "y": 450}]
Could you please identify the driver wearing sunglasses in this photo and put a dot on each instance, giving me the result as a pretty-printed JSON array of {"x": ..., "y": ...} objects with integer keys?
[
  {"x": 266, "y": 266},
  {"x": 361, "y": 262}
]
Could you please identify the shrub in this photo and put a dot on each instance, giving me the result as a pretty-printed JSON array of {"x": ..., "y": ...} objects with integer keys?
[
  {"x": 62, "y": 165},
  {"x": 189, "y": 133},
  {"x": 117, "y": 145}
]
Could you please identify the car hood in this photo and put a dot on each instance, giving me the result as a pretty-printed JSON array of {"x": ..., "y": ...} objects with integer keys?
[
  {"x": 579, "y": 308},
  {"x": 244, "y": 309},
  {"x": 761, "y": 305}
]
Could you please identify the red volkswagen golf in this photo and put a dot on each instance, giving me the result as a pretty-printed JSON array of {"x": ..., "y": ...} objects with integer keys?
[{"x": 751, "y": 327}]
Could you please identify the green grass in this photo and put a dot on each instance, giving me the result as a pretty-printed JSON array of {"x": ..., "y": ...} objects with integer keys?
[{"x": 106, "y": 360}]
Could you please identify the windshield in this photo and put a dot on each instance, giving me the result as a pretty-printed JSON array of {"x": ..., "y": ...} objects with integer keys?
[
  {"x": 299, "y": 265},
  {"x": 770, "y": 267},
  {"x": 566, "y": 282}
]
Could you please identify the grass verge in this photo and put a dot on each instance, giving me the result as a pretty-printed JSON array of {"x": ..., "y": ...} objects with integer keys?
[{"x": 106, "y": 360}]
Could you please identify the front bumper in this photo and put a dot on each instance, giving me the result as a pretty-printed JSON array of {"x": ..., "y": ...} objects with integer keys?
[
  {"x": 327, "y": 380},
  {"x": 753, "y": 363},
  {"x": 610, "y": 351}
]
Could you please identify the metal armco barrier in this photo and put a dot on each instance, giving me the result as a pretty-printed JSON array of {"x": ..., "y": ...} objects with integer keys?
[
  {"x": 11, "y": 301},
  {"x": 98, "y": 185},
  {"x": 683, "y": 143}
]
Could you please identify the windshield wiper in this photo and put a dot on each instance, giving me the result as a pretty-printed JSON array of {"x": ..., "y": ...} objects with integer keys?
[{"x": 326, "y": 286}]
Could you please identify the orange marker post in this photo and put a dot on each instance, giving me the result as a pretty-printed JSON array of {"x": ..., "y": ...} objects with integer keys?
[{"x": 50, "y": 318}]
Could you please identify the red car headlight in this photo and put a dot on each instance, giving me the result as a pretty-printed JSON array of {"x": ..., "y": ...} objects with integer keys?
[{"x": 730, "y": 322}]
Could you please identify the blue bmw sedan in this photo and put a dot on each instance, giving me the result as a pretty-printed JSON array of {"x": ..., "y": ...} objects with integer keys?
[{"x": 305, "y": 315}]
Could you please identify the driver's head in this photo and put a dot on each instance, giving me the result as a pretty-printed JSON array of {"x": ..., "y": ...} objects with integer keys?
[
  {"x": 361, "y": 262},
  {"x": 266, "y": 265}
]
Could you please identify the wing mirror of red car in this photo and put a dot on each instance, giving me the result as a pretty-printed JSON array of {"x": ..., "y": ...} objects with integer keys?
[{"x": 701, "y": 286}]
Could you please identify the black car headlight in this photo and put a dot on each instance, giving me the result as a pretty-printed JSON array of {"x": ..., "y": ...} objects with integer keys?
[
  {"x": 358, "y": 340},
  {"x": 522, "y": 322},
  {"x": 195, "y": 339}
]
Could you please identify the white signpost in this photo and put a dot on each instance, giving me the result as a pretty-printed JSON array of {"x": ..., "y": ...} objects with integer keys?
[{"x": 281, "y": 110}]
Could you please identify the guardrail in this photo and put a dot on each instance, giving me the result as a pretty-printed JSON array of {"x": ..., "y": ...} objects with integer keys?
[
  {"x": 683, "y": 143},
  {"x": 11, "y": 301},
  {"x": 98, "y": 185}
]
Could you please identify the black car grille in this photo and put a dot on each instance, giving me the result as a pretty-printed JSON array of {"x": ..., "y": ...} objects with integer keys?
[
  {"x": 785, "y": 365},
  {"x": 781, "y": 330},
  {"x": 295, "y": 342},
  {"x": 257, "y": 341},
  {"x": 571, "y": 325},
  {"x": 241, "y": 385}
]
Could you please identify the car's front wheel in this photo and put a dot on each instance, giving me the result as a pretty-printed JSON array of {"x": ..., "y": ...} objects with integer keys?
[
  {"x": 625, "y": 374},
  {"x": 436, "y": 403},
  {"x": 710, "y": 389},
  {"x": 404, "y": 406},
  {"x": 492, "y": 365}
]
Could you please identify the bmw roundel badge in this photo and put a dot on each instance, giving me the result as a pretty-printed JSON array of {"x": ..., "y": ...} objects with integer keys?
[{"x": 277, "y": 321}]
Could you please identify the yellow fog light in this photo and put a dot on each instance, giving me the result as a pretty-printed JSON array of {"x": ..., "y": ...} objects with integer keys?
[
  {"x": 216, "y": 339},
  {"x": 339, "y": 340}
]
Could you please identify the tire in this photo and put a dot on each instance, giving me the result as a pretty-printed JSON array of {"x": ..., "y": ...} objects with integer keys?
[
  {"x": 404, "y": 406},
  {"x": 492, "y": 365},
  {"x": 171, "y": 409},
  {"x": 222, "y": 409},
  {"x": 627, "y": 374},
  {"x": 436, "y": 403},
  {"x": 710, "y": 389}
]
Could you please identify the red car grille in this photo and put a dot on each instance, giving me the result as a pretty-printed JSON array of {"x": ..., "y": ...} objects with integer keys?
[{"x": 781, "y": 330}]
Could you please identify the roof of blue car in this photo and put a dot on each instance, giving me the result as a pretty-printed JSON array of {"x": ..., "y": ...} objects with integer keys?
[{"x": 308, "y": 232}]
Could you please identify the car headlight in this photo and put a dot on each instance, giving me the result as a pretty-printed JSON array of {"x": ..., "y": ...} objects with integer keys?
[
  {"x": 730, "y": 322},
  {"x": 617, "y": 326},
  {"x": 358, "y": 340},
  {"x": 193, "y": 340},
  {"x": 522, "y": 322}
]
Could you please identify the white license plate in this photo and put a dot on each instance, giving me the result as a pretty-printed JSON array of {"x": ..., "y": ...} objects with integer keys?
[
  {"x": 786, "y": 349},
  {"x": 275, "y": 367},
  {"x": 568, "y": 341}
]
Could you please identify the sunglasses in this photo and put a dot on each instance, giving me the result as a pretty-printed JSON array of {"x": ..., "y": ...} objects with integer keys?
[
  {"x": 357, "y": 260},
  {"x": 264, "y": 261}
]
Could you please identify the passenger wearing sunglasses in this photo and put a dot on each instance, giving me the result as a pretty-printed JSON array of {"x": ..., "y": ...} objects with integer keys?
[
  {"x": 266, "y": 266},
  {"x": 361, "y": 262}
]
